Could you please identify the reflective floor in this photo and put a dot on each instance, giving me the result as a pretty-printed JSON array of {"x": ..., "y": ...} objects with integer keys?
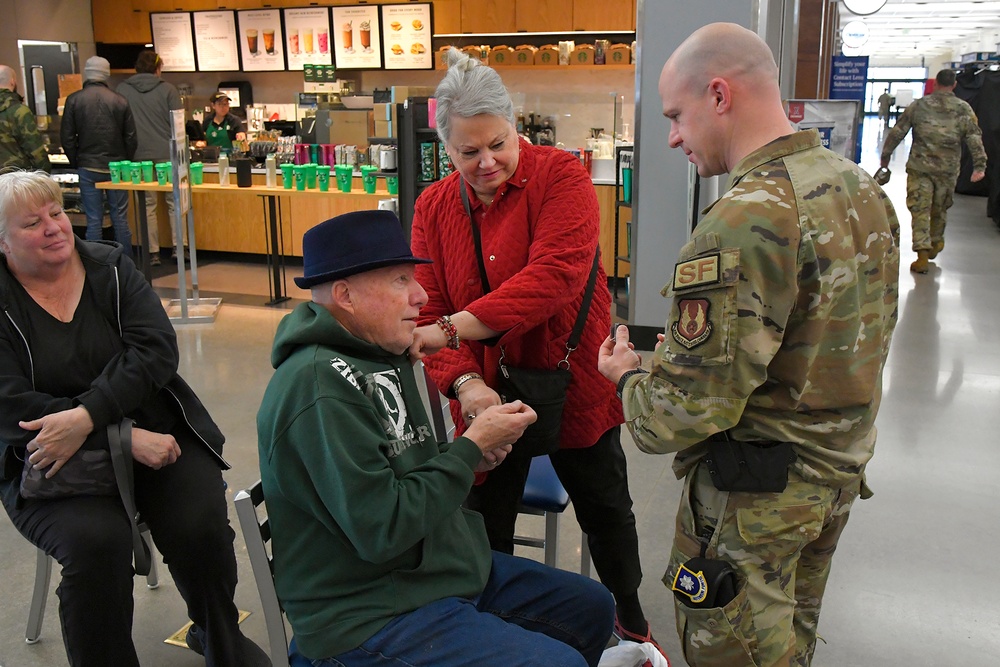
[{"x": 912, "y": 582}]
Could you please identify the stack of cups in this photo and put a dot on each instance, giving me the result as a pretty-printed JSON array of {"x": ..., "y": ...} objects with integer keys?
[
  {"x": 311, "y": 174},
  {"x": 197, "y": 173},
  {"x": 287, "y": 175},
  {"x": 392, "y": 184},
  {"x": 116, "y": 170},
  {"x": 135, "y": 172},
  {"x": 323, "y": 177},
  {"x": 147, "y": 171},
  {"x": 299, "y": 171}
]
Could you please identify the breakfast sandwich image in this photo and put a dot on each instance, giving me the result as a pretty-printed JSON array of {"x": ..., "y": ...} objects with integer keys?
[
  {"x": 417, "y": 48},
  {"x": 396, "y": 25},
  {"x": 397, "y": 49},
  {"x": 418, "y": 24}
]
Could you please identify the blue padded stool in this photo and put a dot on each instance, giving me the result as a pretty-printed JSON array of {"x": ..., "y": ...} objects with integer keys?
[{"x": 545, "y": 496}]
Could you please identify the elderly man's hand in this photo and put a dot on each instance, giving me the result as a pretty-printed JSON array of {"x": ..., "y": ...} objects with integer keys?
[{"x": 500, "y": 425}]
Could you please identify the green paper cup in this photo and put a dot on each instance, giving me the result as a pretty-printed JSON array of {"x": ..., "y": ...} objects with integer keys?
[
  {"x": 627, "y": 185},
  {"x": 287, "y": 175},
  {"x": 147, "y": 171},
  {"x": 163, "y": 173},
  {"x": 392, "y": 184},
  {"x": 323, "y": 177},
  {"x": 116, "y": 171},
  {"x": 311, "y": 175},
  {"x": 345, "y": 176},
  {"x": 368, "y": 178},
  {"x": 300, "y": 177},
  {"x": 135, "y": 172},
  {"x": 197, "y": 173}
]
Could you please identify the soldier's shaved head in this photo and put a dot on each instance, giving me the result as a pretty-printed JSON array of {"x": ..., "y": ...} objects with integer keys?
[
  {"x": 720, "y": 92},
  {"x": 8, "y": 77},
  {"x": 726, "y": 50}
]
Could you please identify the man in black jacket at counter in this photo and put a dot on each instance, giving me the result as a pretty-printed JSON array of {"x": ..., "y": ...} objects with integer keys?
[{"x": 97, "y": 128}]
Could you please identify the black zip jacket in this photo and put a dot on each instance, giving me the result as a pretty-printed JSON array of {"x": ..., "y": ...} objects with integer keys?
[
  {"x": 97, "y": 127},
  {"x": 145, "y": 366}
]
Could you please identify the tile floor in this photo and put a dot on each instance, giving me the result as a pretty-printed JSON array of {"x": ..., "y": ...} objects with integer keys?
[{"x": 912, "y": 583}]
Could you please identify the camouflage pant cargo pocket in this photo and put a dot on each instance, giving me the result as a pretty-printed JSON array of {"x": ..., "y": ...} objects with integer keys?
[{"x": 719, "y": 635}]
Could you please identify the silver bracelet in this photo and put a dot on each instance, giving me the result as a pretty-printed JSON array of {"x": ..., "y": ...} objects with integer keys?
[{"x": 462, "y": 379}]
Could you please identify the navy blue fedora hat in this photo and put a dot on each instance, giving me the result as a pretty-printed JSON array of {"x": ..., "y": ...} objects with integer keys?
[{"x": 353, "y": 243}]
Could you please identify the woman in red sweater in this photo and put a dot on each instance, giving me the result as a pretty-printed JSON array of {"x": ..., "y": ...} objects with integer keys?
[{"x": 536, "y": 211}]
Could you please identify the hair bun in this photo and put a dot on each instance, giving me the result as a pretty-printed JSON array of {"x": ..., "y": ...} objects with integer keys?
[{"x": 460, "y": 61}]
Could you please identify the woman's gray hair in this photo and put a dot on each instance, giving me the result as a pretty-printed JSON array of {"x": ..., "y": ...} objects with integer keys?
[
  {"x": 470, "y": 89},
  {"x": 21, "y": 189}
]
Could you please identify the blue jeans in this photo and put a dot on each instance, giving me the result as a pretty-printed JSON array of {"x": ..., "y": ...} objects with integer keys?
[
  {"x": 529, "y": 615},
  {"x": 92, "y": 201}
]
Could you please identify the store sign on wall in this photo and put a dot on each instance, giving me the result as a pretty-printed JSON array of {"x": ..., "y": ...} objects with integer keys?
[
  {"x": 855, "y": 34},
  {"x": 864, "y": 7},
  {"x": 848, "y": 77}
]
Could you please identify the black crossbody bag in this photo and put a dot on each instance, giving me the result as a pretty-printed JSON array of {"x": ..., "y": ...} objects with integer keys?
[{"x": 544, "y": 390}]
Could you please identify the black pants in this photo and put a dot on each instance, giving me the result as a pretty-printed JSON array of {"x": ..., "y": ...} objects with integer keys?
[
  {"x": 597, "y": 482},
  {"x": 184, "y": 505}
]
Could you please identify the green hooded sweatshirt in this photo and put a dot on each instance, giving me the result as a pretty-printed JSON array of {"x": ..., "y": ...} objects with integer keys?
[{"x": 364, "y": 504}]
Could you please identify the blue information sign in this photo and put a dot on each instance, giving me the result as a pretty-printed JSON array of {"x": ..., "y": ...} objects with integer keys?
[{"x": 848, "y": 78}]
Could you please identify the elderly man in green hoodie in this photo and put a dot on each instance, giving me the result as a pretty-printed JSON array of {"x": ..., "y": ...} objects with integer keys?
[{"x": 375, "y": 559}]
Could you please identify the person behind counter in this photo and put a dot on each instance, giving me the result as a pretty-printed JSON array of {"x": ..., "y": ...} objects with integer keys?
[{"x": 224, "y": 127}]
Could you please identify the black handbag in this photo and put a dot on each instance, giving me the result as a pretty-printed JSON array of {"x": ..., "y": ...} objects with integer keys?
[
  {"x": 542, "y": 389},
  {"x": 92, "y": 472}
]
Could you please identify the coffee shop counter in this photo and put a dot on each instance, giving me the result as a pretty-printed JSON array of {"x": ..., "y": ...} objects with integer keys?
[{"x": 233, "y": 219}]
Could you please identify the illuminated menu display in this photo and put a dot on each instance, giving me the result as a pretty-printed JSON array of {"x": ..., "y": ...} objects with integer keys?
[
  {"x": 173, "y": 41},
  {"x": 215, "y": 41},
  {"x": 406, "y": 36},
  {"x": 307, "y": 37},
  {"x": 260, "y": 39},
  {"x": 356, "y": 39}
]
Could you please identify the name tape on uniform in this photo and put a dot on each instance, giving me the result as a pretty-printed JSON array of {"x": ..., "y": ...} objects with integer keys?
[{"x": 697, "y": 272}]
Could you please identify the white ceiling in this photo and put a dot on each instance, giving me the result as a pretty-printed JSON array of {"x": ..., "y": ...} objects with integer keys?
[{"x": 903, "y": 31}]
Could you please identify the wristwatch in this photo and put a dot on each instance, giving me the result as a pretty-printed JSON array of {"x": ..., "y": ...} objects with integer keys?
[{"x": 624, "y": 378}]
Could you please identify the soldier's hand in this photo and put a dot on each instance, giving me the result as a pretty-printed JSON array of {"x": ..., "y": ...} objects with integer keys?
[
  {"x": 617, "y": 356},
  {"x": 977, "y": 176}
]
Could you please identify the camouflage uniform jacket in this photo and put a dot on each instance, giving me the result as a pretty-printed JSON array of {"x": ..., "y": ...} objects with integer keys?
[
  {"x": 21, "y": 145},
  {"x": 940, "y": 123},
  {"x": 784, "y": 302}
]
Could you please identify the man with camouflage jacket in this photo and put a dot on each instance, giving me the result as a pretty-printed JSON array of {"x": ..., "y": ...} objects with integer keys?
[
  {"x": 940, "y": 123},
  {"x": 21, "y": 145},
  {"x": 767, "y": 379}
]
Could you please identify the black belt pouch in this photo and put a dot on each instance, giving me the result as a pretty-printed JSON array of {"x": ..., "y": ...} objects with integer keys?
[{"x": 755, "y": 467}]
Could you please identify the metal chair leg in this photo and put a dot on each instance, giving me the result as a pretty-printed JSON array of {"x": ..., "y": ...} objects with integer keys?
[
  {"x": 39, "y": 595},
  {"x": 152, "y": 579}
]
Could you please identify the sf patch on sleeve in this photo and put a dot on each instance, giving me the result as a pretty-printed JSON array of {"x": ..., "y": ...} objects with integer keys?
[{"x": 702, "y": 319}]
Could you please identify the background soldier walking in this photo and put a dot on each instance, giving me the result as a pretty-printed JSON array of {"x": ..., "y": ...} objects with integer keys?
[
  {"x": 21, "y": 146},
  {"x": 940, "y": 123}
]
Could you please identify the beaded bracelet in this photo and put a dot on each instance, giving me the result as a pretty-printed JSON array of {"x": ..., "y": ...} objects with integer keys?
[{"x": 450, "y": 330}]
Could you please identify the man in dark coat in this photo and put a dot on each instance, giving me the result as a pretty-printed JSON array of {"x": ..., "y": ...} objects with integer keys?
[{"x": 97, "y": 128}]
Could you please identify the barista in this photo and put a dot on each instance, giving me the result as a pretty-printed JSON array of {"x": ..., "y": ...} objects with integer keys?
[{"x": 222, "y": 128}]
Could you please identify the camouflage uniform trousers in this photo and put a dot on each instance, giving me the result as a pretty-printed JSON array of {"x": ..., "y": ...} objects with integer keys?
[
  {"x": 782, "y": 545},
  {"x": 928, "y": 196}
]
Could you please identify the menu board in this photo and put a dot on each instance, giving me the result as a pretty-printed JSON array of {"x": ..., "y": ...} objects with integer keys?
[
  {"x": 215, "y": 40},
  {"x": 307, "y": 36},
  {"x": 260, "y": 40},
  {"x": 356, "y": 39},
  {"x": 406, "y": 36},
  {"x": 173, "y": 41}
]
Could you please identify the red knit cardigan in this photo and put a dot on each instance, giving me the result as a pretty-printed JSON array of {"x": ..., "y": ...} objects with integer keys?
[{"x": 539, "y": 239}]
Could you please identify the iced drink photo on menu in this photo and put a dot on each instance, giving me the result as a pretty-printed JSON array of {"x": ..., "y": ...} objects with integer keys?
[
  {"x": 293, "y": 41},
  {"x": 252, "y": 41},
  {"x": 323, "y": 37},
  {"x": 366, "y": 36},
  {"x": 307, "y": 40},
  {"x": 347, "y": 35},
  {"x": 269, "y": 41}
]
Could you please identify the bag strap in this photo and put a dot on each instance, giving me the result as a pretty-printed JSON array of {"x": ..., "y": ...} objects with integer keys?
[
  {"x": 588, "y": 295},
  {"x": 120, "y": 442}
]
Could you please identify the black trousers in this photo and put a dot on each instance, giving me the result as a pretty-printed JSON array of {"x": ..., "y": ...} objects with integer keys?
[
  {"x": 596, "y": 479},
  {"x": 184, "y": 505}
]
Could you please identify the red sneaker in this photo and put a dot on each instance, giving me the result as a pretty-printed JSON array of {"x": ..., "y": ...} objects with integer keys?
[{"x": 621, "y": 633}]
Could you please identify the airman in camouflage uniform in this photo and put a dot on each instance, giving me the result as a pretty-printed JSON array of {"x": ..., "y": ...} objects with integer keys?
[
  {"x": 21, "y": 145},
  {"x": 940, "y": 123},
  {"x": 783, "y": 306}
]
